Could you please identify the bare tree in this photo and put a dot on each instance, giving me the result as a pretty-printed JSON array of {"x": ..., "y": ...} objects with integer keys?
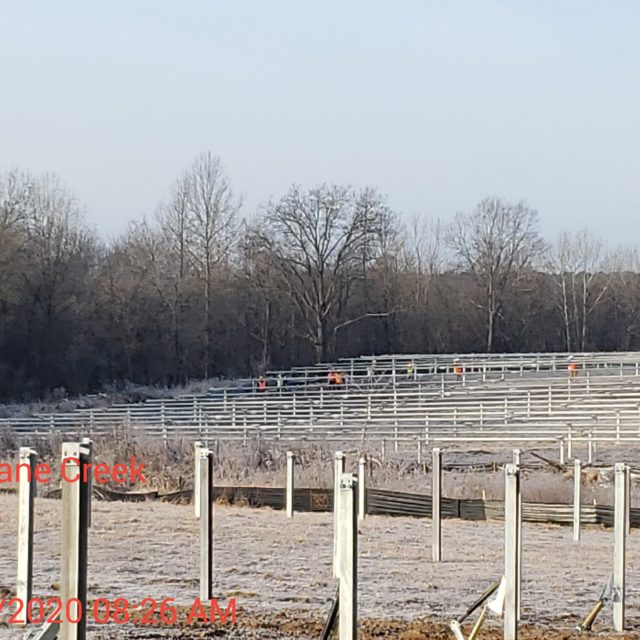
[
  {"x": 578, "y": 265},
  {"x": 211, "y": 227},
  {"x": 495, "y": 243},
  {"x": 316, "y": 241}
]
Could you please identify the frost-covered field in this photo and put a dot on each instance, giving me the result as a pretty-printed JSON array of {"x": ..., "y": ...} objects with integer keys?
[{"x": 271, "y": 564}]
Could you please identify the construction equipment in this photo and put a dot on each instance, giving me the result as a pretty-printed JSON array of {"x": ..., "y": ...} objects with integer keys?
[
  {"x": 605, "y": 596},
  {"x": 455, "y": 625}
]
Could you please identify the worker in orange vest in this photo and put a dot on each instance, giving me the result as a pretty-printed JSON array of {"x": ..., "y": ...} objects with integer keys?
[
  {"x": 573, "y": 369},
  {"x": 458, "y": 370}
]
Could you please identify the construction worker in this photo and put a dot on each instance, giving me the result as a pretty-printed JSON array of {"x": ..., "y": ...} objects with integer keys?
[
  {"x": 262, "y": 383},
  {"x": 459, "y": 371},
  {"x": 331, "y": 378},
  {"x": 339, "y": 377},
  {"x": 410, "y": 369},
  {"x": 573, "y": 369},
  {"x": 280, "y": 381}
]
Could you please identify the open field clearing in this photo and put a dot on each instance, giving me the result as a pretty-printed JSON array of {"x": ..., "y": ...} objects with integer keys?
[{"x": 271, "y": 566}]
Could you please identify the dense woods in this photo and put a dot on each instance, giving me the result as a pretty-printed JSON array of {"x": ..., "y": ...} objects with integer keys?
[{"x": 204, "y": 288}]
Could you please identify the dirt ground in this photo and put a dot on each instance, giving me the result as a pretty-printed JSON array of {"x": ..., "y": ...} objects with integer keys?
[{"x": 280, "y": 572}]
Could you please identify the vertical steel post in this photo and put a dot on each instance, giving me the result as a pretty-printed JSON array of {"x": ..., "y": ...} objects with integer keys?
[
  {"x": 205, "y": 470},
  {"x": 338, "y": 470},
  {"x": 512, "y": 579},
  {"x": 577, "y": 498},
  {"x": 290, "y": 482},
  {"x": 362, "y": 490},
  {"x": 75, "y": 521},
  {"x": 436, "y": 495},
  {"x": 196, "y": 479},
  {"x": 619, "y": 547},
  {"x": 26, "y": 496},
  {"x": 517, "y": 456},
  {"x": 348, "y": 557},
  {"x": 628, "y": 497}
]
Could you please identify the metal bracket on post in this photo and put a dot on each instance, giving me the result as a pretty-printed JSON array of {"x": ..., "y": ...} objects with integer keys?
[
  {"x": 436, "y": 495},
  {"x": 348, "y": 557},
  {"x": 26, "y": 497},
  {"x": 206, "y": 523},
  {"x": 76, "y": 501}
]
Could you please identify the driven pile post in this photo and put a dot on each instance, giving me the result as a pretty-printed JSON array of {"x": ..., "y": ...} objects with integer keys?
[
  {"x": 577, "y": 486},
  {"x": 196, "y": 479},
  {"x": 436, "y": 494},
  {"x": 348, "y": 557},
  {"x": 205, "y": 468},
  {"x": 290, "y": 482},
  {"x": 362, "y": 490},
  {"x": 628, "y": 495},
  {"x": 26, "y": 496},
  {"x": 88, "y": 445},
  {"x": 511, "y": 545},
  {"x": 619, "y": 546},
  {"x": 517, "y": 455},
  {"x": 338, "y": 470},
  {"x": 75, "y": 521}
]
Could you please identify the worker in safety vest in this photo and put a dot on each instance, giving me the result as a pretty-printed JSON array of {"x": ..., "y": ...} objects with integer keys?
[
  {"x": 458, "y": 370},
  {"x": 410, "y": 370},
  {"x": 262, "y": 383},
  {"x": 573, "y": 369},
  {"x": 339, "y": 377}
]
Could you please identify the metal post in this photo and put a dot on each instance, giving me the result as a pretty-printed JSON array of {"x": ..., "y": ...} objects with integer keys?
[
  {"x": 562, "y": 451},
  {"x": 348, "y": 557},
  {"x": 570, "y": 443},
  {"x": 290, "y": 487},
  {"x": 205, "y": 470},
  {"x": 362, "y": 494},
  {"x": 75, "y": 515},
  {"x": 436, "y": 494},
  {"x": 590, "y": 450},
  {"x": 196, "y": 479},
  {"x": 512, "y": 579},
  {"x": 26, "y": 496},
  {"x": 517, "y": 456},
  {"x": 628, "y": 496},
  {"x": 577, "y": 498},
  {"x": 619, "y": 548},
  {"x": 88, "y": 445},
  {"x": 338, "y": 470}
]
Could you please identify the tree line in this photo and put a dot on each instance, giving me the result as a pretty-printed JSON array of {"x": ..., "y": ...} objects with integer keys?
[{"x": 200, "y": 288}]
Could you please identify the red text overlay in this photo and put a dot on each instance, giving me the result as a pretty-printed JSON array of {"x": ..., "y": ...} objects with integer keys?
[{"x": 118, "y": 611}]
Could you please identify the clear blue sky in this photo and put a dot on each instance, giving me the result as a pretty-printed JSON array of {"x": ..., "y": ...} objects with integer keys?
[{"x": 436, "y": 103}]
